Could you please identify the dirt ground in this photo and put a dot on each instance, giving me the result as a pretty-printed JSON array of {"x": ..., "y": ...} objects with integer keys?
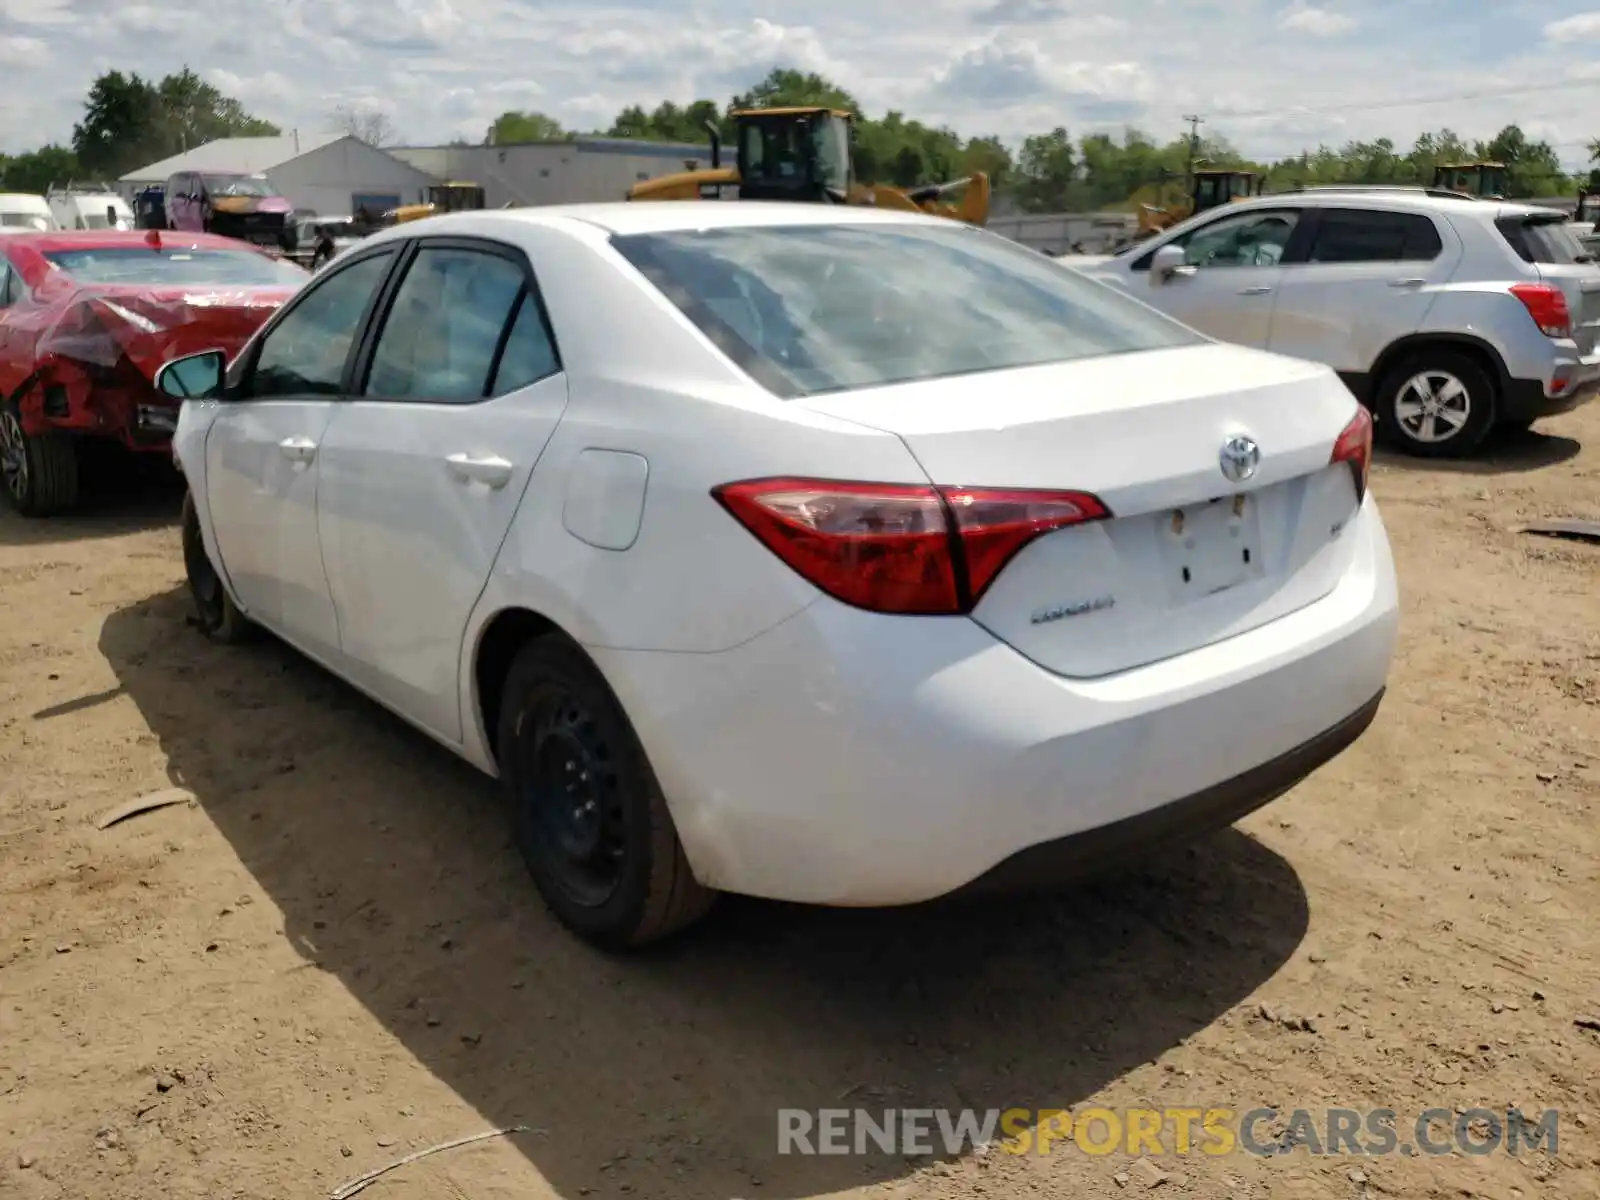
[{"x": 333, "y": 958}]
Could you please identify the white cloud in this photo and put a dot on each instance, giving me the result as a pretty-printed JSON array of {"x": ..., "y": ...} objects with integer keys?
[
  {"x": 441, "y": 68},
  {"x": 1318, "y": 22},
  {"x": 1580, "y": 27},
  {"x": 22, "y": 51}
]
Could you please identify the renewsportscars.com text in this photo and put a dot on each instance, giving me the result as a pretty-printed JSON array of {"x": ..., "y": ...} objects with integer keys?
[{"x": 1181, "y": 1131}]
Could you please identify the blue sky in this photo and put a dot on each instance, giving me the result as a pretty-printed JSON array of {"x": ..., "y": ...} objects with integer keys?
[{"x": 1271, "y": 75}]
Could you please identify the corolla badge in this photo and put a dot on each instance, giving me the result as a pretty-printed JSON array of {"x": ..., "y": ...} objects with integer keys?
[
  {"x": 1076, "y": 608},
  {"x": 1239, "y": 458}
]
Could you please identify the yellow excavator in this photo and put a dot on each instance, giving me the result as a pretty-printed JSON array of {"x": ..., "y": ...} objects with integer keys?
[
  {"x": 1213, "y": 186},
  {"x": 1485, "y": 180},
  {"x": 804, "y": 154},
  {"x": 455, "y": 196}
]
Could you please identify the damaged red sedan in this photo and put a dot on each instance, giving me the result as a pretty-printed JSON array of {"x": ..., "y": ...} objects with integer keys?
[{"x": 87, "y": 319}]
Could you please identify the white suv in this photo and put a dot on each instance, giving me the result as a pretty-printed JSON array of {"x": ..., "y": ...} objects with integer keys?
[{"x": 1445, "y": 315}]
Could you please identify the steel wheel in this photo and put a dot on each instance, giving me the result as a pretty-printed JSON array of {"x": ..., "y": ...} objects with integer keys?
[
  {"x": 1433, "y": 406},
  {"x": 13, "y": 456},
  {"x": 219, "y": 620},
  {"x": 587, "y": 812},
  {"x": 575, "y": 821}
]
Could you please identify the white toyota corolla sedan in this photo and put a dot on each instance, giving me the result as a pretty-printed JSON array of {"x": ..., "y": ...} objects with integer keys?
[{"x": 817, "y": 553}]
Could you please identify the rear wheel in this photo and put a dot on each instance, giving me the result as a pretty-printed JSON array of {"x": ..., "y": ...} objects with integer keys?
[
  {"x": 40, "y": 470},
  {"x": 587, "y": 813},
  {"x": 216, "y": 614},
  {"x": 1436, "y": 404}
]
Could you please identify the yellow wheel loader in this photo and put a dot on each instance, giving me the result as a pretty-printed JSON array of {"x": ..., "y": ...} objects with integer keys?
[
  {"x": 803, "y": 154},
  {"x": 1485, "y": 180},
  {"x": 454, "y": 196},
  {"x": 1212, "y": 187}
]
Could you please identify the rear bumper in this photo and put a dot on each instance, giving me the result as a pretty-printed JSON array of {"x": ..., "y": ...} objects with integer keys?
[
  {"x": 851, "y": 758},
  {"x": 1109, "y": 847},
  {"x": 1529, "y": 399}
]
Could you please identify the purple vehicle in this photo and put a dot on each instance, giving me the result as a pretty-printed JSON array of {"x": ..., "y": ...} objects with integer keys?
[{"x": 246, "y": 207}]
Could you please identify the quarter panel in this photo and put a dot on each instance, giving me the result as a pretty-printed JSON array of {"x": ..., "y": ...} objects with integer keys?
[
  {"x": 693, "y": 580},
  {"x": 1490, "y": 313}
]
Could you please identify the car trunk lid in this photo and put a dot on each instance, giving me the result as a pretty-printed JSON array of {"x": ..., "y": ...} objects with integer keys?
[
  {"x": 1547, "y": 242},
  {"x": 1187, "y": 557},
  {"x": 151, "y": 326}
]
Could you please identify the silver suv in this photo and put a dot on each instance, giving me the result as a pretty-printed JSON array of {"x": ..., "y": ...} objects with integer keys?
[{"x": 1445, "y": 315}]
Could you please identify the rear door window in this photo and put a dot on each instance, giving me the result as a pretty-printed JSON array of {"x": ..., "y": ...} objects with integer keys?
[
  {"x": 449, "y": 327},
  {"x": 1545, "y": 240},
  {"x": 1348, "y": 235}
]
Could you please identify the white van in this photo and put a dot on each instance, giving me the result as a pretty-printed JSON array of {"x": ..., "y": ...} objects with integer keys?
[
  {"x": 85, "y": 207},
  {"x": 22, "y": 213}
]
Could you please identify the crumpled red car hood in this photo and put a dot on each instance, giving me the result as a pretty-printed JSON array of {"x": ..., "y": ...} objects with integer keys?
[{"x": 101, "y": 324}]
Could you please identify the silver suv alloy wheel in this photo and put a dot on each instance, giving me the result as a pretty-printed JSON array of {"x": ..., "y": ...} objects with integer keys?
[{"x": 1433, "y": 406}]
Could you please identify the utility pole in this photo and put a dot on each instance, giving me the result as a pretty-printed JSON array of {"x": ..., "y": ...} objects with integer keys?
[{"x": 1195, "y": 121}]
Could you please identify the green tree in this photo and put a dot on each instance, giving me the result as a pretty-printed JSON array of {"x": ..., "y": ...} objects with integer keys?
[
  {"x": 121, "y": 115},
  {"x": 192, "y": 112},
  {"x": 510, "y": 127},
  {"x": 670, "y": 122},
  {"x": 1533, "y": 167},
  {"x": 1046, "y": 169},
  {"x": 37, "y": 170},
  {"x": 129, "y": 121},
  {"x": 786, "y": 88},
  {"x": 989, "y": 155}
]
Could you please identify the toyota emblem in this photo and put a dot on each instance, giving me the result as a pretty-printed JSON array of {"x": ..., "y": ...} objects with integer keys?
[{"x": 1239, "y": 458}]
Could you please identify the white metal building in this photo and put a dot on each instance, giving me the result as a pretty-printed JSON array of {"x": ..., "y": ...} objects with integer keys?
[
  {"x": 331, "y": 174},
  {"x": 587, "y": 169}
]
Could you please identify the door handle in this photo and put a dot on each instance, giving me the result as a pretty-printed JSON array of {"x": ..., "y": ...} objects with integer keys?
[
  {"x": 1259, "y": 290},
  {"x": 298, "y": 449},
  {"x": 490, "y": 469},
  {"x": 1407, "y": 283}
]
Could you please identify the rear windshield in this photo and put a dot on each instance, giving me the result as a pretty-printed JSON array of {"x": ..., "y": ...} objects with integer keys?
[
  {"x": 1547, "y": 240},
  {"x": 181, "y": 268},
  {"x": 810, "y": 309},
  {"x": 99, "y": 220}
]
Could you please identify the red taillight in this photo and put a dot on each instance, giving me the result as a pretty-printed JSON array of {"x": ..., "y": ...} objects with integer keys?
[
  {"x": 1547, "y": 305},
  {"x": 1355, "y": 448},
  {"x": 900, "y": 548}
]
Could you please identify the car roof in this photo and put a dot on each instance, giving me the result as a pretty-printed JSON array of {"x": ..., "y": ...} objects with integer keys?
[
  {"x": 1363, "y": 198},
  {"x": 113, "y": 239},
  {"x": 664, "y": 216},
  {"x": 1396, "y": 200}
]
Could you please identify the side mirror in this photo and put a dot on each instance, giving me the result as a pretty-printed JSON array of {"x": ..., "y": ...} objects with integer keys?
[
  {"x": 194, "y": 376},
  {"x": 1166, "y": 264}
]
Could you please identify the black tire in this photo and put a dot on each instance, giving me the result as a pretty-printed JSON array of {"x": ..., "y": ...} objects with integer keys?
[
  {"x": 587, "y": 812},
  {"x": 215, "y": 612},
  {"x": 39, "y": 471},
  {"x": 1433, "y": 433}
]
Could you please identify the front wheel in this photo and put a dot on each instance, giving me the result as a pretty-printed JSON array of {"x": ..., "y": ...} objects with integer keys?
[
  {"x": 215, "y": 612},
  {"x": 1436, "y": 404},
  {"x": 39, "y": 470},
  {"x": 587, "y": 812}
]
